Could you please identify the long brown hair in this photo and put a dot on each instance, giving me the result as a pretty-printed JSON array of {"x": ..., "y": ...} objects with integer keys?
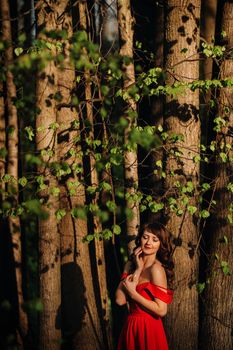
[{"x": 164, "y": 254}]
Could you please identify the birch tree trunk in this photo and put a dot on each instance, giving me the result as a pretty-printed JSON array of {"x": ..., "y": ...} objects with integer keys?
[
  {"x": 46, "y": 139},
  {"x": 125, "y": 22},
  {"x": 217, "y": 323},
  {"x": 12, "y": 169},
  {"x": 182, "y": 117}
]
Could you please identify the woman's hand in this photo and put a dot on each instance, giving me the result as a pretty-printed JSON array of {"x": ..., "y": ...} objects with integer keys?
[
  {"x": 139, "y": 259},
  {"x": 130, "y": 284}
]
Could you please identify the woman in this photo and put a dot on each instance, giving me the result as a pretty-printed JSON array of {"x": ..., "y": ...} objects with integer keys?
[{"x": 144, "y": 285}]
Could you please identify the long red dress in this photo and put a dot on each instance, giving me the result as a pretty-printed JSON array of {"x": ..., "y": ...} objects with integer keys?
[{"x": 144, "y": 331}]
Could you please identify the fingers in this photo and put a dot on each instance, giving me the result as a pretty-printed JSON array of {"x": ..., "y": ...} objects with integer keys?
[
  {"x": 138, "y": 251},
  {"x": 129, "y": 278}
]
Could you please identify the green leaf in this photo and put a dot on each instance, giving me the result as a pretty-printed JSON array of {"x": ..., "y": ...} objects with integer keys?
[
  {"x": 18, "y": 51},
  {"x": 204, "y": 214},
  {"x": 55, "y": 191},
  {"x": 92, "y": 189},
  {"x": 225, "y": 268},
  {"x": 111, "y": 206},
  {"x": 116, "y": 229},
  {"x": 34, "y": 206},
  {"x": 106, "y": 186},
  {"x": 200, "y": 287},
  {"x": 107, "y": 234},
  {"x": 143, "y": 208},
  {"x": 79, "y": 212},
  {"x": 23, "y": 181},
  {"x": 223, "y": 156},
  {"x": 89, "y": 238},
  {"x": 30, "y": 132},
  {"x": 3, "y": 152},
  {"x": 159, "y": 163},
  {"x": 192, "y": 209},
  {"x": 155, "y": 207},
  {"x": 196, "y": 159},
  {"x": 53, "y": 126},
  {"x": 60, "y": 213},
  {"x": 205, "y": 186}
]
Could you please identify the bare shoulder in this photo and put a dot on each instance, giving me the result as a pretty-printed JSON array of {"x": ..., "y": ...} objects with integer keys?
[{"x": 158, "y": 275}]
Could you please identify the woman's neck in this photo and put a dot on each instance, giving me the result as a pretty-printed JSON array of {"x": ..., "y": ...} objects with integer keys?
[{"x": 149, "y": 260}]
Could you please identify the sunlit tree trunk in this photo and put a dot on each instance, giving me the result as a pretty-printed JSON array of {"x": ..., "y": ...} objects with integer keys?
[
  {"x": 209, "y": 10},
  {"x": 12, "y": 169},
  {"x": 218, "y": 302},
  {"x": 80, "y": 318},
  {"x": 182, "y": 117},
  {"x": 94, "y": 181},
  {"x": 49, "y": 238},
  {"x": 125, "y": 22}
]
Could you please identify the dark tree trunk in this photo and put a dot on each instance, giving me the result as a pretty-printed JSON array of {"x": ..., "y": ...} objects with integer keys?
[{"x": 216, "y": 327}]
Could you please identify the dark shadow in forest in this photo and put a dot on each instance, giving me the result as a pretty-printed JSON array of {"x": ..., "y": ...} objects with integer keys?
[
  {"x": 72, "y": 311},
  {"x": 8, "y": 291},
  {"x": 184, "y": 111}
]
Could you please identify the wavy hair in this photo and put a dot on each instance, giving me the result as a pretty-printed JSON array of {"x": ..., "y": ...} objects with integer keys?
[{"x": 164, "y": 254}]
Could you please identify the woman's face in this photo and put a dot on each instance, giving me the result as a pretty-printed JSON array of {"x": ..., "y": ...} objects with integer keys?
[{"x": 150, "y": 243}]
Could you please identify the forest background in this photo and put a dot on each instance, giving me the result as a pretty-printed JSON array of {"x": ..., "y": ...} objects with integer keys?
[{"x": 112, "y": 114}]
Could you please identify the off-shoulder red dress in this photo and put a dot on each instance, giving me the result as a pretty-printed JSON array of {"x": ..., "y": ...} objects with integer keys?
[{"x": 142, "y": 330}]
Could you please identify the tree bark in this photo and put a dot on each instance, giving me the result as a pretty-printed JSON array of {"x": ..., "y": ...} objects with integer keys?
[
  {"x": 12, "y": 169},
  {"x": 94, "y": 181},
  {"x": 208, "y": 15},
  {"x": 209, "y": 10},
  {"x": 182, "y": 117},
  {"x": 217, "y": 323},
  {"x": 2, "y": 141},
  {"x": 125, "y": 22},
  {"x": 49, "y": 238},
  {"x": 80, "y": 319}
]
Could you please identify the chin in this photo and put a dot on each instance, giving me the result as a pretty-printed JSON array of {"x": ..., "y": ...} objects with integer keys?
[{"x": 148, "y": 251}]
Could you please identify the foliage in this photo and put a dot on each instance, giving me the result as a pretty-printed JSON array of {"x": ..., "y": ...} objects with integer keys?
[{"x": 109, "y": 101}]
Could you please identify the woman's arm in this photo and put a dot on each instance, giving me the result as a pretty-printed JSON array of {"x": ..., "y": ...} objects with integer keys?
[
  {"x": 121, "y": 293},
  {"x": 156, "y": 307}
]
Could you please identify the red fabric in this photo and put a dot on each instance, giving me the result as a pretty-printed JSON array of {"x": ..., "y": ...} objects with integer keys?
[
  {"x": 124, "y": 275},
  {"x": 144, "y": 331}
]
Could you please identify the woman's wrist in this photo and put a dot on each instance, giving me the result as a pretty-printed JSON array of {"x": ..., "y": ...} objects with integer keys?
[
  {"x": 137, "y": 274},
  {"x": 133, "y": 294}
]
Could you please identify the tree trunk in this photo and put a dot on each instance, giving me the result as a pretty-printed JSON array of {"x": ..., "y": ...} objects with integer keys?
[
  {"x": 49, "y": 238},
  {"x": 182, "y": 117},
  {"x": 157, "y": 102},
  {"x": 12, "y": 169},
  {"x": 125, "y": 22},
  {"x": 217, "y": 323},
  {"x": 2, "y": 142},
  {"x": 80, "y": 319},
  {"x": 208, "y": 15},
  {"x": 94, "y": 181}
]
